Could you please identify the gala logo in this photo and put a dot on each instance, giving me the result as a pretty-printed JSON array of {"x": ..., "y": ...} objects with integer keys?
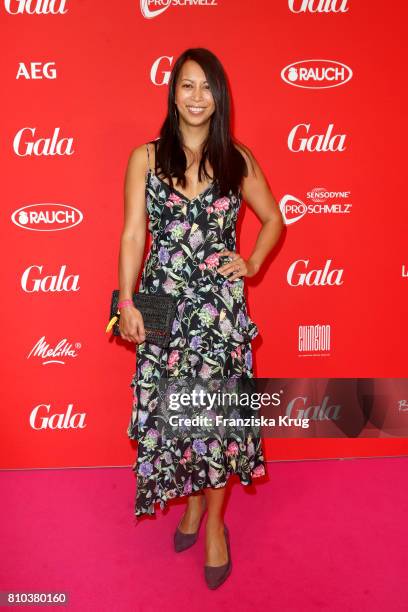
[
  {"x": 35, "y": 7},
  {"x": 32, "y": 282},
  {"x": 299, "y": 275},
  {"x": 318, "y": 6},
  {"x": 40, "y": 418}
]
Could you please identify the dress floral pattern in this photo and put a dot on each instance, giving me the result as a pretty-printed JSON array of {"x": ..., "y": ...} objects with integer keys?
[{"x": 211, "y": 338}]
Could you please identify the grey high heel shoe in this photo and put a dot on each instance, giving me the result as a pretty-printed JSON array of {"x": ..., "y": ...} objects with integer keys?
[
  {"x": 182, "y": 541},
  {"x": 215, "y": 575}
]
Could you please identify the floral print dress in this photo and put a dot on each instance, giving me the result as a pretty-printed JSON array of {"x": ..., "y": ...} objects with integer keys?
[{"x": 211, "y": 338}]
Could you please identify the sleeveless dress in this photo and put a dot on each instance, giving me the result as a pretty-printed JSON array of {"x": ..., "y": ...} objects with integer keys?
[{"x": 210, "y": 338}]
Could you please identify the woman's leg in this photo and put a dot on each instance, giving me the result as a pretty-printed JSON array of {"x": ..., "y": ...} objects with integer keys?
[
  {"x": 192, "y": 515},
  {"x": 215, "y": 545}
]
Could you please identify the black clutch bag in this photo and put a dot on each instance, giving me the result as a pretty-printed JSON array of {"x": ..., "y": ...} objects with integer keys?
[{"x": 158, "y": 312}]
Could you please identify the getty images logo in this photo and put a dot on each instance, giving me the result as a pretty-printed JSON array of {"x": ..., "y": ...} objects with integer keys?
[
  {"x": 149, "y": 13},
  {"x": 47, "y": 217},
  {"x": 316, "y": 74}
]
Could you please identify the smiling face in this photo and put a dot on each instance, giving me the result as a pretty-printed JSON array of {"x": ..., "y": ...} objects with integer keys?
[{"x": 193, "y": 97}]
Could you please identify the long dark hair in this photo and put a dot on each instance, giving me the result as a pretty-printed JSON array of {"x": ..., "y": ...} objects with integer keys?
[{"x": 229, "y": 165}]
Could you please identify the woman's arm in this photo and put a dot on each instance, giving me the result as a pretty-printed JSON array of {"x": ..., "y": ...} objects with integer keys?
[
  {"x": 132, "y": 242},
  {"x": 257, "y": 194}
]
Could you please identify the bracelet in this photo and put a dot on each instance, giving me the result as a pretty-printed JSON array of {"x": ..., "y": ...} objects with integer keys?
[{"x": 125, "y": 303}]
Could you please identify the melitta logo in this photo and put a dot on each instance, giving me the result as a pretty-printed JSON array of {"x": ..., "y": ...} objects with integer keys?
[
  {"x": 314, "y": 338},
  {"x": 298, "y": 142},
  {"x": 31, "y": 283},
  {"x": 293, "y": 209},
  {"x": 40, "y": 418},
  {"x": 150, "y": 13},
  {"x": 316, "y": 74},
  {"x": 35, "y": 7},
  {"x": 299, "y": 275},
  {"x": 318, "y": 6},
  {"x": 404, "y": 271},
  {"x": 47, "y": 217},
  {"x": 57, "y": 354},
  {"x": 23, "y": 146}
]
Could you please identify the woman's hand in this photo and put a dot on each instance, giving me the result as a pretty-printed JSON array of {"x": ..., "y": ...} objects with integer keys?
[
  {"x": 131, "y": 325},
  {"x": 238, "y": 266}
]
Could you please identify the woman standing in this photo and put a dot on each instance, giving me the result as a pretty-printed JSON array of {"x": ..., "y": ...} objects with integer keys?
[{"x": 189, "y": 183}]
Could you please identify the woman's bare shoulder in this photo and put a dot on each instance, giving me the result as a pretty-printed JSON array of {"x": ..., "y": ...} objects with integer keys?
[
  {"x": 246, "y": 153},
  {"x": 138, "y": 157}
]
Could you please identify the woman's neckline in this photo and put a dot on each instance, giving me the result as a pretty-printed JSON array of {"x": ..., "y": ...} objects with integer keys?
[{"x": 179, "y": 193}]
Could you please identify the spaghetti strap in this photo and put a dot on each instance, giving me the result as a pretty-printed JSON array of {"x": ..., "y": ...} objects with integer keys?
[{"x": 148, "y": 155}]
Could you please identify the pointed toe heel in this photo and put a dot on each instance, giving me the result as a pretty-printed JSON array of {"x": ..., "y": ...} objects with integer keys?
[
  {"x": 182, "y": 541},
  {"x": 215, "y": 575}
]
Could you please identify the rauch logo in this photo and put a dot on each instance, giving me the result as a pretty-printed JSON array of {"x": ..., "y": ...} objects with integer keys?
[
  {"x": 316, "y": 74},
  {"x": 47, "y": 217}
]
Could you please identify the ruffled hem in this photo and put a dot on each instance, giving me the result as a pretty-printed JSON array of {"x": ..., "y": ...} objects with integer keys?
[
  {"x": 196, "y": 477},
  {"x": 163, "y": 501}
]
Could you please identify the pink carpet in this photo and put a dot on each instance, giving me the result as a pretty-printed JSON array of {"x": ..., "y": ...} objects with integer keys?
[{"x": 319, "y": 535}]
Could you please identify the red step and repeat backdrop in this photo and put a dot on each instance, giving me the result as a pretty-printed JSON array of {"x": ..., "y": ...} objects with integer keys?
[{"x": 318, "y": 95}]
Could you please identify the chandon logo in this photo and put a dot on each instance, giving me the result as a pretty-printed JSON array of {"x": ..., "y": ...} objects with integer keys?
[
  {"x": 293, "y": 209},
  {"x": 150, "y": 13},
  {"x": 57, "y": 354},
  {"x": 314, "y": 338},
  {"x": 35, "y": 7},
  {"x": 318, "y": 6},
  {"x": 47, "y": 217},
  {"x": 316, "y": 74}
]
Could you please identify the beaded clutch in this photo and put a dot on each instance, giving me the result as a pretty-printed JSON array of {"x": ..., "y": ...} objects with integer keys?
[{"x": 158, "y": 312}]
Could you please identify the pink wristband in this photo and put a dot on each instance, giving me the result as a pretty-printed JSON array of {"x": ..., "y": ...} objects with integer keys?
[{"x": 125, "y": 303}]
